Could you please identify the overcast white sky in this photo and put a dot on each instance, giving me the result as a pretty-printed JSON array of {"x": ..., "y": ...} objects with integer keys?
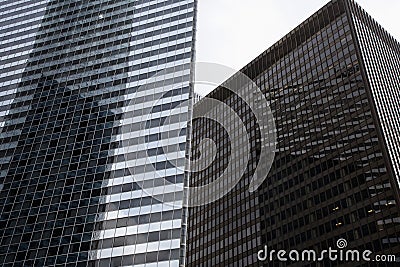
[{"x": 233, "y": 32}]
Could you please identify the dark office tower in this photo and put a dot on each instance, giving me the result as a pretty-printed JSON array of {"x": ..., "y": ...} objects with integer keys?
[
  {"x": 71, "y": 71},
  {"x": 333, "y": 86}
]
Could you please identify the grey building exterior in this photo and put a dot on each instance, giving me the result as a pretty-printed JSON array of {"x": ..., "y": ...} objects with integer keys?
[
  {"x": 78, "y": 187},
  {"x": 333, "y": 86}
]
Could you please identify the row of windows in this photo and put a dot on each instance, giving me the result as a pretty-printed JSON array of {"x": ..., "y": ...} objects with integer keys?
[{"x": 156, "y": 42}]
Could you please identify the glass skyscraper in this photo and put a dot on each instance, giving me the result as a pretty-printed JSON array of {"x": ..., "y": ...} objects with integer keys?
[
  {"x": 333, "y": 86},
  {"x": 79, "y": 183}
]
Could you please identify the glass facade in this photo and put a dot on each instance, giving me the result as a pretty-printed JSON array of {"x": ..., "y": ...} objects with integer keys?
[
  {"x": 74, "y": 83},
  {"x": 332, "y": 84},
  {"x": 225, "y": 232},
  {"x": 381, "y": 57}
]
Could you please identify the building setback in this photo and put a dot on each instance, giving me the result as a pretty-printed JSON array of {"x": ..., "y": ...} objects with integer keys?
[
  {"x": 333, "y": 86},
  {"x": 73, "y": 91}
]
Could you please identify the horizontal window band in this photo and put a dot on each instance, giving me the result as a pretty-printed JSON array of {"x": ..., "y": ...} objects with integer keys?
[
  {"x": 136, "y": 229},
  {"x": 171, "y": 215},
  {"x": 135, "y": 239}
]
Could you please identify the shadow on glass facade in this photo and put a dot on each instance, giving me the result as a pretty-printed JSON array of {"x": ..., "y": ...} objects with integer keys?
[{"x": 70, "y": 71}]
